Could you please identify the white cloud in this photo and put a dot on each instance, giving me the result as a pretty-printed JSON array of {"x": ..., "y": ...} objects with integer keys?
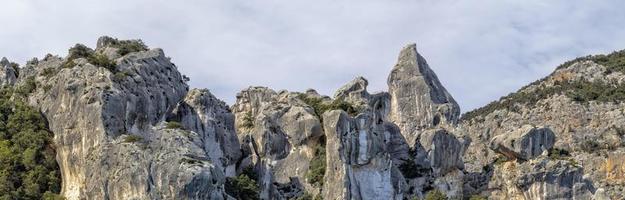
[{"x": 480, "y": 50}]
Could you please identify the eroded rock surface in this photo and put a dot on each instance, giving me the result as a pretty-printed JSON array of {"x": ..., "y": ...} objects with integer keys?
[
  {"x": 279, "y": 132},
  {"x": 109, "y": 129},
  {"x": 358, "y": 157},
  {"x": 524, "y": 143},
  {"x": 8, "y": 73},
  {"x": 418, "y": 99}
]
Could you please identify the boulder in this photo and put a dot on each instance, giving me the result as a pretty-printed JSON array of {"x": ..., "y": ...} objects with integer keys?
[{"x": 525, "y": 143}]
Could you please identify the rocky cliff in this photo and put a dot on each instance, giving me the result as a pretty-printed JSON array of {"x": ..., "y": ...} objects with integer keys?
[
  {"x": 582, "y": 104},
  {"x": 127, "y": 126}
]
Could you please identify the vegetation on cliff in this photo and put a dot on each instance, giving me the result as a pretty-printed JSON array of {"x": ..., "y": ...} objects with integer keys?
[
  {"x": 28, "y": 168},
  {"x": 580, "y": 91},
  {"x": 243, "y": 186}
]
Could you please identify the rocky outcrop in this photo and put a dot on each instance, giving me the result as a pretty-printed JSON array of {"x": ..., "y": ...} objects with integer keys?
[
  {"x": 354, "y": 92},
  {"x": 542, "y": 178},
  {"x": 110, "y": 137},
  {"x": 279, "y": 132},
  {"x": 588, "y": 131},
  {"x": 209, "y": 117},
  {"x": 525, "y": 143},
  {"x": 418, "y": 99},
  {"x": 359, "y": 157},
  {"x": 8, "y": 72}
]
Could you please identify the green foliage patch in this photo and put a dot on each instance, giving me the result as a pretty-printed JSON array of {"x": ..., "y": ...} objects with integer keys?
[
  {"x": 320, "y": 107},
  {"x": 317, "y": 167},
  {"x": 579, "y": 91},
  {"x": 174, "y": 125},
  {"x": 97, "y": 59},
  {"x": 132, "y": 138},
  {"x": 243, "y": 186},
  {"x": 28, "y": 168},
  {"x": 435, "y": 195}
]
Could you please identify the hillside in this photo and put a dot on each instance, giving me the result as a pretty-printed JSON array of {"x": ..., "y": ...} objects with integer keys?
[{"x": 121, "y": 122}]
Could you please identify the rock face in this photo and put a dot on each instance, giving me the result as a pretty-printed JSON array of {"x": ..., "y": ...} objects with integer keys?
[
  {"x": 211, "y": 119},
  {"x": 525, "y": 143},
  {"x": 109, "y": 133},
  {"x": 359, "y": 157},
  {"x": 549, "y": 179},
  {"x": 8, "y": 73},
  {"x": 279, "y": 133},
  {"x": 127, "y": 126},
  {"x": 418, "y": 100},
  {"x": 589, "y": 131}
]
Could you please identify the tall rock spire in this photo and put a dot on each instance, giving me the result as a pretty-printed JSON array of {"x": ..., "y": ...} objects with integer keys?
[{"x": 418, "y": 99}]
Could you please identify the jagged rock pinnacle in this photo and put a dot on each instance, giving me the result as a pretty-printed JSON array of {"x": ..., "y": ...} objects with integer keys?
[{"x": 419, "y": 101}]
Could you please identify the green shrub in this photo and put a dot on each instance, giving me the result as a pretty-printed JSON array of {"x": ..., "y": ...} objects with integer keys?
[
  {"x": 243, "y": 186},
  {"x": 49, "y": 72},
  {"x": 248, "y": 121},
  {"x": 555, "y": 153},
  {"x": 68, "y": 64},
  {"x": 129, "y": 46},
  {"x": 174, "y": 125},
  {"x": 132, "y": 139},
  {"x": 52, "y": 196},
  {"x": 477, "y": 197},
  {"x": 79, "y": 51},
  {"x": 28, "y": 168},
  {"x": 320, "y": 107},
  {"x": 97, "y": 59},
  {"x": 102, "y": 60},
  {"x": 435, "y": 195},
  {"x": 27, "y": 87},
  {"x": 317, "y": 167}
]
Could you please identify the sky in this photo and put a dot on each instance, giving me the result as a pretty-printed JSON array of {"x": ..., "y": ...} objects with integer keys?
[{"x": 480, "y": 50}]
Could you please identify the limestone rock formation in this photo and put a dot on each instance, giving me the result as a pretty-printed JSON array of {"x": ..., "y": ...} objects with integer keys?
[
  {"x": 8, "y": 72},
  {"x": 524, "y": 143},
  {"x": 279, "y": 132},
  {"x": 211, "y": 119},
  {"x": 542, "y": 178},
  {"x": 354, "y": 92},
  {"x": 418, "y": 100},
  {"x": 359, "y": 157},
  {"x": 108, "y": 122},
  {"x": 575, "y": 102},
  {"x": 127, "y": 126}
]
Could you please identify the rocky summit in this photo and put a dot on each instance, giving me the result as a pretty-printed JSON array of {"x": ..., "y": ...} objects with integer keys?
[{"x": 124, "y": 124}]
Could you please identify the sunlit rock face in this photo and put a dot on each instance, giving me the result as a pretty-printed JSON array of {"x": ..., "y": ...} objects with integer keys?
[
  {"x": 110, "y": 137},
  {"x": 418, "y": 100},
  {"x": 279, "y": 134}
]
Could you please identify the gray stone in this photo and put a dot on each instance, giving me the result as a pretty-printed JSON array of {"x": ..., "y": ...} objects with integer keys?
[
  {"x": 8, "y": 74},
  {"x": 204, "y": 114},
  {"x": 93, "y": 111},
  {"x": 525, "y": 143},
  {"x": 358, "y": 156},
  {"x": 418, "y": 99}
]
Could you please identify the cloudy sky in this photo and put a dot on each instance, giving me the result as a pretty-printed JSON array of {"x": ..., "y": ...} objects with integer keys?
[{"x": 480, "y": 50}]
